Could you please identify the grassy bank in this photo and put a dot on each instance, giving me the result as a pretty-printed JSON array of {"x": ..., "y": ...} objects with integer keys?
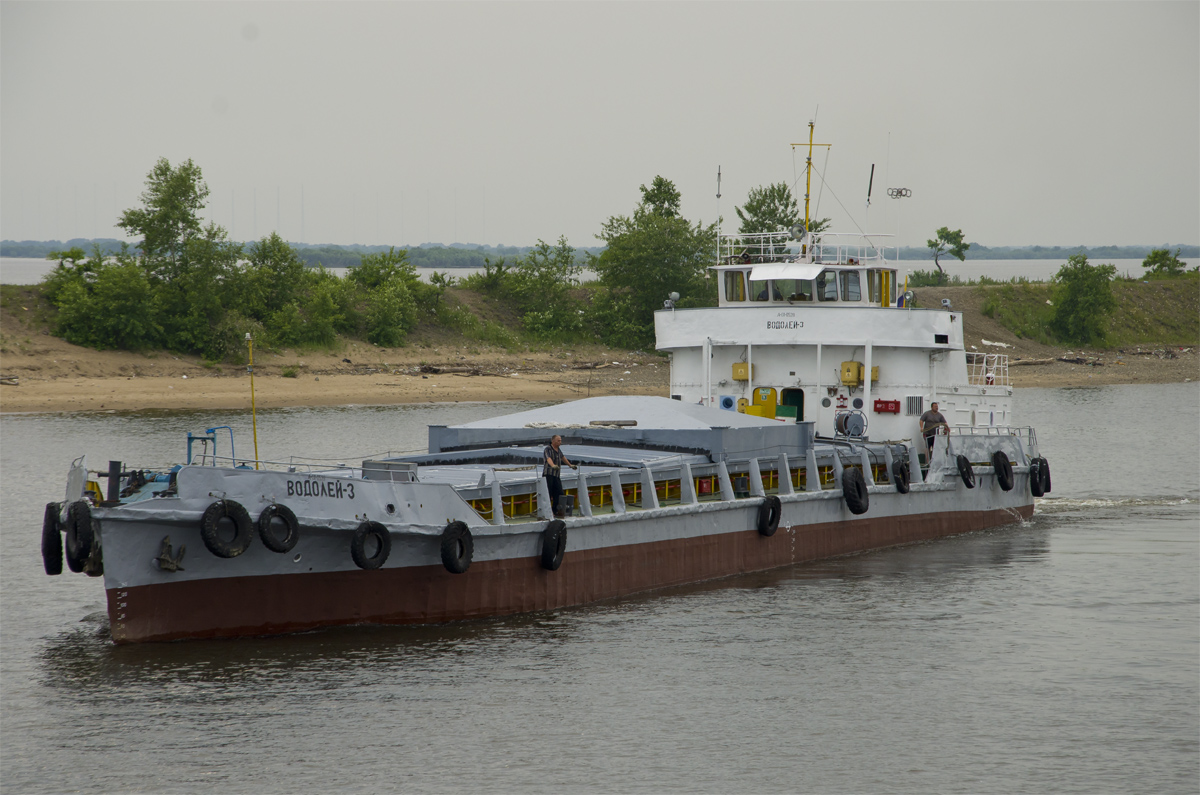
[{"x": 1162, "y": 312}]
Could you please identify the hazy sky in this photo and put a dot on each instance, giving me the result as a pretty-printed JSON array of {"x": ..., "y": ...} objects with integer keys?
[{"x": 401, "y": 123}]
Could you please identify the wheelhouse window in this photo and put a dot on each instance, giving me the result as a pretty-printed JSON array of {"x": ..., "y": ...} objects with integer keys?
[
  {"x": 735, "y": 286},
  {"x": 794, "y": 289},
  {"x": 759, "y": 291},
  {"x": 827, "y": 286},
  {"x": 850, "y": 287},
  {"x": 875, "y": 286}
]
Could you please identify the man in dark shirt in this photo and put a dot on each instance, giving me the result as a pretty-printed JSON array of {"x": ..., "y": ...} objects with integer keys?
[
  {"x": 930, "y": 422},
  {"x": 552, "y": 470}
]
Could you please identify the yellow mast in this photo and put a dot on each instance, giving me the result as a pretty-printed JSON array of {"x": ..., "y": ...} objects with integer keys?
[{"x": 808, "y": 171}]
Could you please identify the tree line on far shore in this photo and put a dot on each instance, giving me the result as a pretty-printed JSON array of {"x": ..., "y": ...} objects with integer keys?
[{"x": 187, "y": 287}]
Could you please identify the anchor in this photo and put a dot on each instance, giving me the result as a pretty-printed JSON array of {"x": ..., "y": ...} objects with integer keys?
[{"x": 165, "y": 560}]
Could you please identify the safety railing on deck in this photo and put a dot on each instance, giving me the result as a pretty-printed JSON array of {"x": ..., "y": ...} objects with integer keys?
[
  {"x": 782, "y": 247},
  {"x": 987, "y": 369}
]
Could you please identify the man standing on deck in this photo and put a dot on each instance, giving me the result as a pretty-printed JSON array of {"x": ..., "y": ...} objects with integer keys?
[
  {"x": 930, "y": 422},
  {"x": 553, "y": 468}
]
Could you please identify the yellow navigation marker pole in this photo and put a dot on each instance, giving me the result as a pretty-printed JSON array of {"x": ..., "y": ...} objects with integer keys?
[{"x": 253, "y": 409}]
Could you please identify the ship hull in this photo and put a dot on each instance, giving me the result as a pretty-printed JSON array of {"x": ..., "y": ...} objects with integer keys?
[{"x": 608, "y": 557}]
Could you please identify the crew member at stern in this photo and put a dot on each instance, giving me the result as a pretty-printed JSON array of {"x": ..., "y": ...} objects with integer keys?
[
  {"x": 553, "y": 469},
  {"x": 931, "y": 421}
]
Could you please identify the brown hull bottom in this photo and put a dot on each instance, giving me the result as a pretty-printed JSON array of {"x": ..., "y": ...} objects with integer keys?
[{"x": 249, "y": 606}]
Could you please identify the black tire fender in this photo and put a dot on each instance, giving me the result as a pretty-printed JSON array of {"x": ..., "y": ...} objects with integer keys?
[
  {"x": 1036, "y": 488},
  {"x": 243, "y": 527},
  {"x": 554, "y": 544},
  {"x": 272, "y": 541},
  {"x": 80, "y": 535},
  {"x": 769, "y": 513},
  {"x": 52, "y": 543},
  {"x": 1003, "y": 469},
  {"x": 358, "y": 545},
  {"x": 1045, "y": 468},
  {"x": 854, "y": 489},
  {"x": 458, "y": 547},
  {"x": 966, "y": 471},
  {"x": 900, "y": 476}
]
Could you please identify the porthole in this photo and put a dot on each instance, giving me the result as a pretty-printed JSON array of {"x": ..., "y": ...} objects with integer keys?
[
  {"x": 826, "y": 402},
  {"x": 858, "y": 403}
]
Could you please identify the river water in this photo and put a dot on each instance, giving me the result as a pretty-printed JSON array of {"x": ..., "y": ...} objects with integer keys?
[{"x": 1060, "y": 655}]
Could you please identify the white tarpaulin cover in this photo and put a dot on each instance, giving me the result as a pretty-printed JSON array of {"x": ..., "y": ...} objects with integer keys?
[{"x": 786, "y": 270}]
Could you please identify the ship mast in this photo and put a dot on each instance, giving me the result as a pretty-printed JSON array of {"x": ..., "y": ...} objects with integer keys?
[{"x": 808, "y": 171}]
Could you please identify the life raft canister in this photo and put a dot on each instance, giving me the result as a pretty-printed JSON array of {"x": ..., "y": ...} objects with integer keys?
[
  {"x": 966, "y": 471},
  {"x": 1003, "y": 469},
  {"x": 52, "y": 545},
  {"x": 769, "y": 513},
  {"x": 80, "y": 535},
  {"x": 210, "y": 528},
  {"x": 854, "y": 490},
  {"x": 900, "y": 476},
  {"x": 358, "y": 545},
  {"x": 458, "y": 547},
  {"x": 272, "y": 516},
  {"x": 554, "y": 544}
]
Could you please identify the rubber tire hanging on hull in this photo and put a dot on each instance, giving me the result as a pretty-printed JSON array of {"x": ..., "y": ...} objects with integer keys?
[
  {"x": 554, "y": 545},
  {"x": 966, "y": 471},
  {"x": 243, "y": 527},
  {"x": 458, "y": 547},
  {"x": 854, "y": 489},
  {"x": 80, "y": 535},
  {"x": 1045, "y": 476},
  {"x": 358, "y": 545},
  {"x": 768, "y": 516},
  {"x": 1003, "y": 469},
  {"x": 52, "y": 544},
  {"x": 1035, "y": 477},
  {"x": 900, "y": 476},
  {"x": 269, "y": 539}
]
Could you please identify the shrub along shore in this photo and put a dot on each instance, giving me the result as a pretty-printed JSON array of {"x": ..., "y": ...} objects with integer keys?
[{"x": 44, "y": 373}]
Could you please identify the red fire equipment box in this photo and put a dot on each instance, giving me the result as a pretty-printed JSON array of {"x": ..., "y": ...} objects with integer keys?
[{"x": 884, "y": 406}]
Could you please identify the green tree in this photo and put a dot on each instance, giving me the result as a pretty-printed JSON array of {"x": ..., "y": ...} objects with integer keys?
[
  {"x": 947, "y": 242},
  {"x": 272, "y": 276},
  {"x": 377, "y": 269},
  {"x": 1083, "y": 300},
  {"x": 116, "y": 310},
  {"x": 661, "y": 198},
  {"x": 170, "y": 211},
  {"x": 391, "y": 313},
  {"x": 773, "y": 208},
  {"x": 650, "y": 255},
  {"x": 205, "y": 285},
  {"x": 1161, "y": 262}
]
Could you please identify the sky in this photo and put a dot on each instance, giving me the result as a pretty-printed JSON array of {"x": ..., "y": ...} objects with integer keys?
[{"x": 402, "y": 123}]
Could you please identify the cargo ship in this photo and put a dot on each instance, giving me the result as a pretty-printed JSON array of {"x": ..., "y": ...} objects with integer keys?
[{"x": 790, "y": 434}]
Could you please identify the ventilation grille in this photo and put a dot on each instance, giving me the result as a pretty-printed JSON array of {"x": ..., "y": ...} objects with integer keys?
[{"x": 914, "y": 405}]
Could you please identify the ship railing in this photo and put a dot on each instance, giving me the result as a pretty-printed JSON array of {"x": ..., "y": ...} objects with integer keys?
[
  {"x": 987, "y": 369},
  {"x": 829, "y": 247},
  {"x": 978, "y": 443},
  {"x": 618, "y": 489},
  {"x": 291, "y": 465}
]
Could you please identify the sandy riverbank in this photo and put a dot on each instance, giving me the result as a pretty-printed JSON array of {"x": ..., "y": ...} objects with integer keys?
[
  {"x": 42, "y": 373},
  {"x": 83, "y": 381}
]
